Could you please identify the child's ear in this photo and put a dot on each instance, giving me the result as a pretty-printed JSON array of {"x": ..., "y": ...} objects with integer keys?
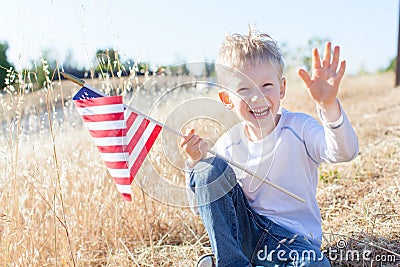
[
  {"x": 282, "y": 90},
  {"x": 225, "y": 99}
]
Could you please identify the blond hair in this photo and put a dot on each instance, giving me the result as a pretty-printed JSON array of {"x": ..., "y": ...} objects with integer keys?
[{"x": 239, "y": 51}]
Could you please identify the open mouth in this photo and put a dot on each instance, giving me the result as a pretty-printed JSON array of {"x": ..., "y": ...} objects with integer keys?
[{"x": 259, "y": 112}]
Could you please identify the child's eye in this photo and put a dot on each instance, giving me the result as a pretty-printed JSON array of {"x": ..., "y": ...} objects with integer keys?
[
  {"x": 267, "y": 84},
  {"x": 242, "y": 90}
]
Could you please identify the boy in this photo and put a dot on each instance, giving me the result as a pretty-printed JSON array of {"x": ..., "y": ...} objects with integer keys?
[{"x": 248, "y": 222}]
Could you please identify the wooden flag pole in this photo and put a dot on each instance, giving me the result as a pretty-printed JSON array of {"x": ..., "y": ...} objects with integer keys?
[
  {"x": 73, "y": 79},
  {"x": 80, "y": 82}
]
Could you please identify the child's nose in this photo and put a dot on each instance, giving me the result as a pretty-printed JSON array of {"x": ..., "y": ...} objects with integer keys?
[
  {"x": 258, "y": 98},
  {"x": 254, "y": 98}
]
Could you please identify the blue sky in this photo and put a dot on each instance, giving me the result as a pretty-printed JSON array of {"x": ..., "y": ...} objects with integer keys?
[{"x": 170, "y": 32}]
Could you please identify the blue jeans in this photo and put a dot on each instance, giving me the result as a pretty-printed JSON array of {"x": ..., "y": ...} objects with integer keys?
[{"x": 238, "y": 235}]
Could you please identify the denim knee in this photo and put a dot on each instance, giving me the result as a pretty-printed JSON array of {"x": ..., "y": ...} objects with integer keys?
[{"x": 212, "y": 177}]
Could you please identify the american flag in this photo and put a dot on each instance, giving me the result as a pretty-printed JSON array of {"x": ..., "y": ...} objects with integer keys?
[{"x": 123, "y": 136}]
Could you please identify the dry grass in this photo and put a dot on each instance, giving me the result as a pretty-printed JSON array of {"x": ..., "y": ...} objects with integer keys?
[{"x": 60, "y": 207}]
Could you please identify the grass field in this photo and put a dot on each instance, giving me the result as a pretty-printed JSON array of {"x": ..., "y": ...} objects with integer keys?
[{"x": 60, "y": 207}]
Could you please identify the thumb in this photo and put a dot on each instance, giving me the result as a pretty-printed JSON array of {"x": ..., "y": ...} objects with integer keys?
[
  {"x": 305, "y": 77},
  {"x": 189, "y": 131}
]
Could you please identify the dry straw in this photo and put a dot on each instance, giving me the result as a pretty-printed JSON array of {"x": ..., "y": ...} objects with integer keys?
[{"x": 60, "y": 207}]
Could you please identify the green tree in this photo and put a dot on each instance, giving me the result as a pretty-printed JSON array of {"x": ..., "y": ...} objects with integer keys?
[
  {"x": 304, "y": 54},
  {"x": 391, "y": 66},
  {"x": 107, "y": 60},
  {"x": 210, "y": 69},
  {"x": 4, "y": 64}
]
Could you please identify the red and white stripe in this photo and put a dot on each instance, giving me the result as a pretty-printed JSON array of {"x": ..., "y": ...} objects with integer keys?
[{"x": 123, "y": 137}]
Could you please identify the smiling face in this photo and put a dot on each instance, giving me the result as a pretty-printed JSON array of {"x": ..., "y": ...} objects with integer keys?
[{"x": 254, "y": 95}]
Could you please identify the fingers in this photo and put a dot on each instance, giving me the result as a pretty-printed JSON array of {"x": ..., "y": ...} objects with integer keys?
[
  {"x": 190, "y": 138},
  {"x": 326, "y": 61},
  {"x": 194, "y": 146},
  {"x": 335, "y": 60},
  {"x": 305, "y": 77},
  {"x": 341, "y": 70},
  {"x": 316, "y": 61},
  {"x": 186, "y": 138},
  {"x": 327, "y": 55}
]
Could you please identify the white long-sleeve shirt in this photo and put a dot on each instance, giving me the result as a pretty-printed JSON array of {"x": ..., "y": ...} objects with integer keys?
[{"x": 289, "y": 157}]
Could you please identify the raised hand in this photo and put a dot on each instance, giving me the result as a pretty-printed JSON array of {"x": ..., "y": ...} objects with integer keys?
[{"x": 323, "y": 85}]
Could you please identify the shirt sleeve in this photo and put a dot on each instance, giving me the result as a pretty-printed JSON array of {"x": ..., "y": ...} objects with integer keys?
[{"x": 331, "y": 142}]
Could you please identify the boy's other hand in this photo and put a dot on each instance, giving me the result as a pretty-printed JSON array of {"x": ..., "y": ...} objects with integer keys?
[
  {"x": 194, "y": 146},
  {"x": 323, "y": 85}
]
